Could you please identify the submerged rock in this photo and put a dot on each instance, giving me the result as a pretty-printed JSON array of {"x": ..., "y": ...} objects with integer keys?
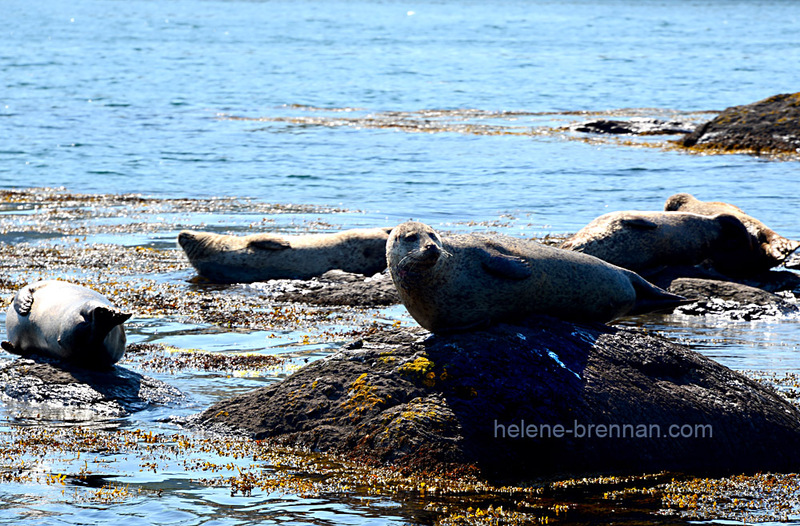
[
  {"x": 550, "y": 398},
  {"x": 59, "y": 391},
  {"x": 769, "y": 126},
  {"x": 634, "y": 126}
]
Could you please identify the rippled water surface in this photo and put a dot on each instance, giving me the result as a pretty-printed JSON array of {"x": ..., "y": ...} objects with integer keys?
[{"x": 450, "y": 112}]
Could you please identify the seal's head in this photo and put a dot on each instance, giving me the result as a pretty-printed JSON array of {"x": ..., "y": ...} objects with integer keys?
[
  {"x": 679, "y": 202},
  {"x": 199, "y": 245},
  {"x": 413, "y": 249}
]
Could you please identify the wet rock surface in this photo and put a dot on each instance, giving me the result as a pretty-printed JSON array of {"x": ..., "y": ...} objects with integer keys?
[
  {"x": 335, "y": 287},
  {"x": 769, "y": 126},
  {"x": 634, "y": 126},
  {"x": 734, "y": 299},
  {"x": 771, "y": 293},
  {"x": 491, "y": 401},
  {"x": 46, "y": 387}
]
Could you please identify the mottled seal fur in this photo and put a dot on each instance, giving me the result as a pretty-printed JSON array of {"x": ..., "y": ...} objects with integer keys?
[
  {"x": 772, "y": 249},
  {"x": 65, "y": 321},
  {"x": 261, "y": 257},
  {"x": 646, "y": 242},
  {"x": 469, "y": 281}
]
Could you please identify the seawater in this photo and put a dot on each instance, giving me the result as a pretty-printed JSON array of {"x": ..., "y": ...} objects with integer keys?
[{"x": 195, "y": 98}]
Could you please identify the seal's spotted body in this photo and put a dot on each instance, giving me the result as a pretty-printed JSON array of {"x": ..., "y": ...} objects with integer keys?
[
  {"x": 467, "y": 281},
  {"x": 261, "y": 257},
  {"x": 770, "y": 248},
  {"x": 649, "y": 241}
]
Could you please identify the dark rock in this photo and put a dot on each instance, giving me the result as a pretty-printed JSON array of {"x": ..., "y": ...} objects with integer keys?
[
  {"x": 769, "y": 126},
  {"x": 634, "y": 126},
  {"x": 459, "y": 403},
  {"x": 335, "y": 287},
  {"x": 734, "y": 300},
  {"x": 52, "y": 389}
]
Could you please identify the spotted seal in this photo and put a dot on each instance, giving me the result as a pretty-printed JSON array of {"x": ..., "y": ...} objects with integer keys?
[
  {"x": 261, "y": 257},
  {"x": 646, "y": 242},
  {"x": 772, "y": 249},
  {"x": 65, "y": 321},
  {"x": 467, "y": 281}
]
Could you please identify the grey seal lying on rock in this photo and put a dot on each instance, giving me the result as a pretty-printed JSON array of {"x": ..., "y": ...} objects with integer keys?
[
  {"x": 648, "y": 241},
  {"x": 261, "y": 257},
  {"x": 65, "y": 321},
  {"x": 468, "y": 281}
]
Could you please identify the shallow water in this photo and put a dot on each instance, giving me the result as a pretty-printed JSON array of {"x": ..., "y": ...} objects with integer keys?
[{"x": 294, "y": 103}]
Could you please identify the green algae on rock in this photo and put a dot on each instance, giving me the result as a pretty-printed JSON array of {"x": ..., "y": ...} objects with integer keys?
[{"x": 547, "y": 399}]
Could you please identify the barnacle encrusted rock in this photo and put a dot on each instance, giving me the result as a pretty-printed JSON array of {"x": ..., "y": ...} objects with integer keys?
[
  {"x": 769, "y": 126},
  {"x": 548, "y": 398}
]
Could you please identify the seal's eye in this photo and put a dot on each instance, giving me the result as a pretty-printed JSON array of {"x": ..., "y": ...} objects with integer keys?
[{"x": 412, "y": 238}]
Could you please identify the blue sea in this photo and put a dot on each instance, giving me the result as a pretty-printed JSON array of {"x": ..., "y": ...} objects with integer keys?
[{"x": 455, "y": 113}]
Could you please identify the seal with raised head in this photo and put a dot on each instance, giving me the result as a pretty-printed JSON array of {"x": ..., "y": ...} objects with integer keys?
[
  {"x": 646, "y": 242},
  {"x": 772, "y": 249},
  {"x": 261, "y": 257},
  {"x": 467, "y": 281},
  {"x": 65, "y": 321}
]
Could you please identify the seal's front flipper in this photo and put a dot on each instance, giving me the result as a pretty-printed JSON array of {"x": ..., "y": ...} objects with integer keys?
[
  {"x": 269, "y": 243},
  {"x": 638, "y": 223},
  {"x": 506, "y": 267},
  {"x": 9, "y": 347}
]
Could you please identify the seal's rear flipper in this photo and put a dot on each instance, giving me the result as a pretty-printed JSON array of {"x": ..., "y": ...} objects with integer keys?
[
  {"x": 792, "y": 261},
  {"x": 650, "y": 298},
  {"x": 108, "y": 318},
  {"x": 23, "y": 301}
]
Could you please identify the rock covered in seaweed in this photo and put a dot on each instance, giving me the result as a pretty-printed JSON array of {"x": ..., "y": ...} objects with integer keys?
[
  {"x": 769, "y": 126},
  {"x": 549, "y": 398}
]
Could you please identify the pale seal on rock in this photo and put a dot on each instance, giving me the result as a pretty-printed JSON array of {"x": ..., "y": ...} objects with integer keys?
[
  {"x": 261, "y": 257},
  {"x": 468, "y": 281},
  {"x": 65, "y": 321},
  {"x": 772, "y": 249},
  {"x": 646, "y": 242}
]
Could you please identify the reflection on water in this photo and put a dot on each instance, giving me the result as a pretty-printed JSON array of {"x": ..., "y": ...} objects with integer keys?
[{"x": 770, "y": 344}]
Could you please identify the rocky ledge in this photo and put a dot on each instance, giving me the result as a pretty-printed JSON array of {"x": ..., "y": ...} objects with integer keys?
[
  {"x": 773, "y": 293},
  {"x": 733, "y": 300},
  {"x": 47, "y": 388},
  {"x": 334, "y": 287},
  {"x": 514, "y": 403},
  {"x": 770, "y": 126}
]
